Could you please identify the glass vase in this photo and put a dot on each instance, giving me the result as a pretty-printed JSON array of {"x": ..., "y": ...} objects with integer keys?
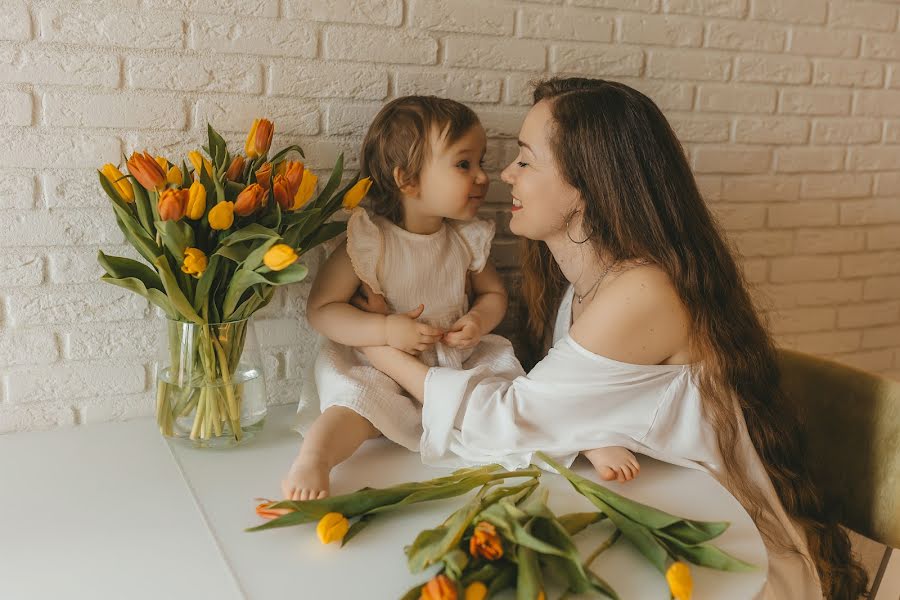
[{"x": 211, "y": 390}]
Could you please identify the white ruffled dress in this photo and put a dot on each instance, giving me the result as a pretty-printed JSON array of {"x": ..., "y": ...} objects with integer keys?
[{"x": 408, "y": 269}]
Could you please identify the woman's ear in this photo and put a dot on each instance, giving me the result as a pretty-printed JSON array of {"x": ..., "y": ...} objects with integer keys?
[{"x": 407, "y": 188}]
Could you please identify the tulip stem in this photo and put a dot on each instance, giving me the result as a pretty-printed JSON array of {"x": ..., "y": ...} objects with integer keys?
[
  {"x": 233, "y": 413},
  {"x": 603, "y": 547}
]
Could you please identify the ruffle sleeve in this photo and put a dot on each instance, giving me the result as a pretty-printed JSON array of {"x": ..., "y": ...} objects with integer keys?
[
  {"x": 477, "y": 235},
  {"x": 365, "y": 247}
]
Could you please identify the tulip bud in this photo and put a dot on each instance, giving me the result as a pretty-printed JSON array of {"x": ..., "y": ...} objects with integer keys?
[
  {"x": 280, "y": 256},
  {"x": 678, "y": 576},
  {"x": 119, "y": 182},
  {"x": 485, "y": 542},
  {"x": 306, "y": 190},
  {"x": 293, "y": 173},
  {"x": 196, "y": 201},
  {"x": 198, "y": 160},
  {"x": 440, "y": 587},
  {"x": 264, "y": 175},
  {"x": 476, "y": 591},
  {"x": 147, "y": 171},
  {"x": 260, "y": 138},
  {"x": 282, "y": 192},
  {"x": 173, "y": 176},
  {"x": 249, "y": 200},
  {"x": 221, "y": 216},
  {"x": 195, "y": 262},
  {"x": 355, "y": 194},
  {"x": 332, "y": 528},
  {"x": 264, "y": 510},
  {"x": 172, "y": 204},
  {"x": 235, "y": 169}
]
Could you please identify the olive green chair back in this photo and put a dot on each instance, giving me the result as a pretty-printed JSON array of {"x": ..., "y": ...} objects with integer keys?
[{"x": 851, "y": 422}]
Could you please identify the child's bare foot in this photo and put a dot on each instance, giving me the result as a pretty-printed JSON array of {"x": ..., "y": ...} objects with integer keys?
[
  {"x": 614, "y": 462},
  {"x": 307, "y": 479}
]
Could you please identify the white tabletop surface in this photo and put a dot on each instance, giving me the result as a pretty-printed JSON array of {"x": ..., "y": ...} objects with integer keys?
[{"x": 113, "y": 511}]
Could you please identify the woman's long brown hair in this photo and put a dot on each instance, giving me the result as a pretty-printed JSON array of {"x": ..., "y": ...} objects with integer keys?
[{"x": 641, "y": 202}]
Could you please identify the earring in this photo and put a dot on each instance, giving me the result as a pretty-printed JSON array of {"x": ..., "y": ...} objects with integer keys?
[{"x": 568, "y": 235}]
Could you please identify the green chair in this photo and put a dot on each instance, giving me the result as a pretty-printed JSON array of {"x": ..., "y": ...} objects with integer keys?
[{"x": 851, "y": 421}]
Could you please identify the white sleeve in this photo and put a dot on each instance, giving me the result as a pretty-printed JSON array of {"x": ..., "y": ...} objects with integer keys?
[{"x": 571, "y": 401}]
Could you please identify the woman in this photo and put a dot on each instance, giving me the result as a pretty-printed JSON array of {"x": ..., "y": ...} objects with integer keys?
[{"x": 656, "y": 348}]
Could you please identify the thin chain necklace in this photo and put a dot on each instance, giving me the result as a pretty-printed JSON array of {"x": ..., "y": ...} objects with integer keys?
[{"x": 580, "y": 297}]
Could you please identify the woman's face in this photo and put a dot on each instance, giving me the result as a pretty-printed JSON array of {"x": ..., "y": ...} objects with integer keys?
[{"x": 542, "y": 199}]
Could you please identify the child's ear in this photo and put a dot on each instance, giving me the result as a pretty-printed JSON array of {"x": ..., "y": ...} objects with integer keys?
[{"x": 406, "y": 186}]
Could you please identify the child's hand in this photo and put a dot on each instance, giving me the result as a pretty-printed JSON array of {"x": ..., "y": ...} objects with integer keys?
[
  {"x": 404, "y": 333},
  {"x": 465, "y": 333}
]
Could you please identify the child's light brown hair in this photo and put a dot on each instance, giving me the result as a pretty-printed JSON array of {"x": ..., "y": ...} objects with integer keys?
[{"x": 401, "y": 136}]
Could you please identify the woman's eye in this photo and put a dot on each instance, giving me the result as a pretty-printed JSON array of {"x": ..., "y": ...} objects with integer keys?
[{"x": 522, "y": 164}]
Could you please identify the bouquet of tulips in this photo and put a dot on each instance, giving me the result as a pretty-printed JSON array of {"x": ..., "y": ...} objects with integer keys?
[{"x": 218, "y": 235}]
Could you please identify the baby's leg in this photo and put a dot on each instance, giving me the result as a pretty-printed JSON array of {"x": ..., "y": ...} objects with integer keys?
[
  {"x": 614, "y": 462},
  {"x": 332, "y": 438}
]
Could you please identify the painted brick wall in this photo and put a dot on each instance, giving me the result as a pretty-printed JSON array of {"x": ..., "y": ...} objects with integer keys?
[{"x": 789, "y": 110}]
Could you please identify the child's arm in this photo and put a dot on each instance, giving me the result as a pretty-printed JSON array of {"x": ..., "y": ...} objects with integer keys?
[
  {"x": 486, "y": 312},
  {"x": 330, "y": 313}
]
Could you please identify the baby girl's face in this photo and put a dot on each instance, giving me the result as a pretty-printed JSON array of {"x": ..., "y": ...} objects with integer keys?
[{"x": 452, "y": 183}]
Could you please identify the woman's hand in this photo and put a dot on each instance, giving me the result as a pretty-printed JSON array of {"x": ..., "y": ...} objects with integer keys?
[
  {"x": 465, "y": 333},
  {"x": 403, "y": 332}
]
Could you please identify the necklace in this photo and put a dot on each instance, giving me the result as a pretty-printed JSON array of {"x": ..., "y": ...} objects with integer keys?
[{"x": 580, "y": 297}]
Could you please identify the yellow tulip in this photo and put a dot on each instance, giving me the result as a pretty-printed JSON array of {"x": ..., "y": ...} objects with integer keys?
[
  {"x": 332, "y": 527},
  {"x": 678, "y": 576},
  {"x": 260, "y": 138},
  {"x": 174, "y": 176},
  {"x": 355, "y": 194},
  {"x": 221, "y": 216},
  {"x": 172, "y": 204},
  {"x": 199, "y": 160},
  {"x": 440, "y": 587},
  {"x": 235, "y": 169},
  {"x": 119, "y": 183},
  {"x": 250, "y": 199},
  {"x": 476, "y": 591},
  {"x": 195, "y": 262},
  {"x": 196, "y": 201},
  {"x": 147, "y": 171},
  {"x": 280, "y": 256},
  {"x": 306, "y": 190},
  {"x": 163, "y": 163}
]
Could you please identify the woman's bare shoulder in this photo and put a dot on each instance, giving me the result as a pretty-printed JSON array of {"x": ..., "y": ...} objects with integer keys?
[{"x": 637, "y": 316}]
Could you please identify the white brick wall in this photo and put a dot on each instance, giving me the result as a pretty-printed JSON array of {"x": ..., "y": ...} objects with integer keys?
[{"x": 789, "y": 111}]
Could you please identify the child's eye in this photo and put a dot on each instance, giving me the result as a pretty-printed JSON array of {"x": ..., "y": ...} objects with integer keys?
[
  {"x": 463, "y": 164},
  {"x": 522, "y": 164}
]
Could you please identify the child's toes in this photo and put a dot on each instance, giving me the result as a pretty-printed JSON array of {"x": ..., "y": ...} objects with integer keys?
[
  {"x": 608, "y": 474},
  {"x": 322, "y": 494}
]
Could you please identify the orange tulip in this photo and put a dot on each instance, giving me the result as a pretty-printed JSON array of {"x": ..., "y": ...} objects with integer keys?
[
  {"x": 260, "y": 138},
  {"x": 293, "y": 173},
  {"x": 264, "y": 175},
  {"x": 147, "y": 171},
  {"x": 250, "y": 199},
  {"x": 306, "y": 190},
  {"x": 485, "y": 542},
  {"x": 282, "y": 192},
  {"x": 440, "y": 587},
  {"x": 265, "y": 512},
  {"x": 476, "y": 591},
  {"x": 235, "y": 169},
  {"x": 172, "y": 204}
]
